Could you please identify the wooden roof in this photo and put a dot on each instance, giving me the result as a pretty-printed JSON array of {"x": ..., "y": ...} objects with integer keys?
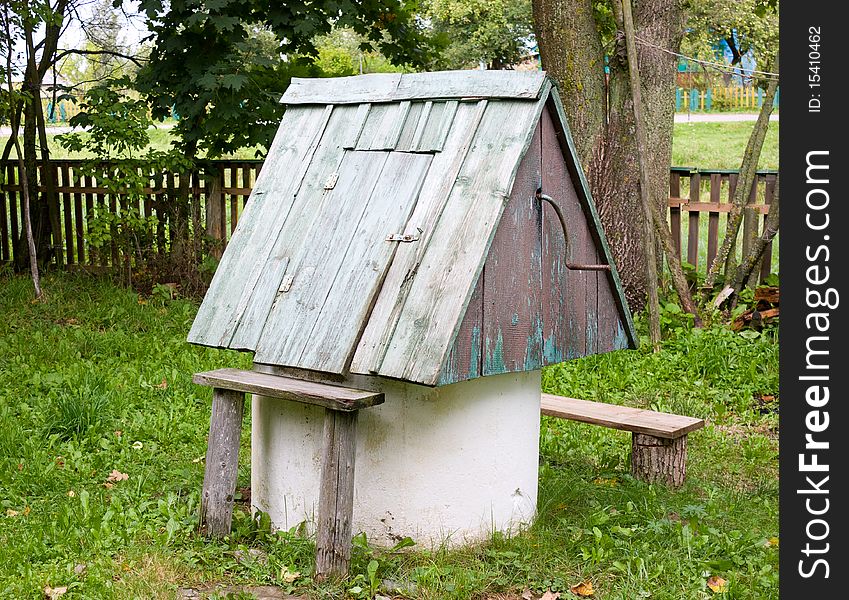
[{"x": 311, "y": 278}]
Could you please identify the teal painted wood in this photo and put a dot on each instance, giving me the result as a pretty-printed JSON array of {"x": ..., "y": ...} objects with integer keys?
[
  {"x": 512, "y": 301},
  {"x": 393, "y": 87},
  {"x": 290, "y": 242},
  {"x": 439, "y": 121},
  {"x": 423, "y": 222},
  {"x": 350, "y": 138},
  {"x": 420, "y": 127},
  {"x": 597, "y": 229},
  {"x": 332, "y": 341},
  {"x": 383, "y": 126},
  {"x": 444, "y": 281},
  {"x": 271, "y": 200},
  {"x": 411, "y": 123},
  {"x": 311, "y": 271}
]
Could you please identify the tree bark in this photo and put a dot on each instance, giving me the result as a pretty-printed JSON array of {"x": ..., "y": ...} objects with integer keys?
[
  {"x": 645, "y": 186},
  {"x": 571, "y": 51},
  {"x": 659, "y": 460}
]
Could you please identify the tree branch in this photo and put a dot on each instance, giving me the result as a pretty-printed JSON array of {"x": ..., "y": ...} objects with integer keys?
[{"x": 137, "y": 61}]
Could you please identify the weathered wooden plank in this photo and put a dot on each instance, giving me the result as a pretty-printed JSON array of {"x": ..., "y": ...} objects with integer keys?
[
  {"x": 67, "y": 212},
  {"x": 713, "y": 218},
  {"x": 675, "y": 211},
  {"x": 78, "y": 219},
  {"x": 566, "y": 336},
  {"x": 12, "y": 198},
  {"x": 393, "y": 87},
  {"x": 420, "y": 127},
  {"x": 717, "y": 207},
  {"x": 769, "y": 194},
  {"x": 465, "y": 360},
  {"x": 4, "y": 229},
  {"x": 374, "y": 87},
  {"x": 383, "y": 127},
  {"x": 693, "y": 220},
  {"x": 287, "y": 388},
  {"x": 336, "y": 495},
  {"x": 411, "y": 125},
  {"x": 440, "y": 118},
  {"x": 318, "y": 255},
  {"x": 222, "y": 462},
  {"x": 596, "y": 230},
  {"x": 297, "y": 233},
  {"x": 330, "y": 345},
  {"x": 89, "y": 214},
  {"x": 250, "y": 247},
  {"x": 434, "y": 194},
  {"x": 352, "y": 134},
  {"x": 625, "y": 418},
  {"x": 512, "y": 334},
  {"x": 438, "y": 295}
]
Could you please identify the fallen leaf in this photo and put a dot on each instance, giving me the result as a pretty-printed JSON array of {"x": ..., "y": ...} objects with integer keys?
[
  {"x": 716, "y": 584},
  {"x": 549, "y": 595},
  {"x": 60, "y": 461},
  {"x": 527, "y": 595},
  {"x": 118, "y": 433},
  {"x": 108, "y": 485},
  {"x": 116, "y": 475},
  {"x": 80, "y": 569},
  {"x": 11, "y": 513},
  {"x": 289, "y": 576},
  {"x": 27, "y": 510},
  {"x": 163, "y": 385},
  {"x": 53, "y": 593},
  {"x": 137, "y": 445},
  {"x": 71, "y": 493},
  {"x": 583, "y": 589}
]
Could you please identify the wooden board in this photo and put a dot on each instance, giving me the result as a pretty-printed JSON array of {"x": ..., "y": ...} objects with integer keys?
[
  {"x": 693, "y": 219},
  {"x": 287, "y": 388},
  {"x": 444, "y": 282},
  {"x": 434, "y": 194},
  {"x": 512, "y": 335},
  {"x": 249, "y": 248},
  {"x": 625, "y": 418},
  {"x": 393, "y": 87}
]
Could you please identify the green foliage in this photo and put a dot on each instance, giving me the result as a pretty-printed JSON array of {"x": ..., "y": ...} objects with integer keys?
[
  {"x": 116, "y": 136},
  {"x": 207, "y": 66},
  {"x": 494, "y": 32},
  {"x": 345, "y": 52}
]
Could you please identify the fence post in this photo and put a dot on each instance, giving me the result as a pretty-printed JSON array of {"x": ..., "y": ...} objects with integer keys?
[{"x": 215, "y": 213}]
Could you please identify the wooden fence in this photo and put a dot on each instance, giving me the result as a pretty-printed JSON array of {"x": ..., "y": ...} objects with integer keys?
[
  {"x": 721, "y": 98},
  {"x": 218, "y": 193},
  {"x": 709, "y": 193}
]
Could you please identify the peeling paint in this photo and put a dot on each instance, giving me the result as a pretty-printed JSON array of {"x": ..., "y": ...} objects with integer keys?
[
  {"x": 620, "y": 342},
  {"x": 474, "y": 361},
  {"x": 494, "y": 360}
]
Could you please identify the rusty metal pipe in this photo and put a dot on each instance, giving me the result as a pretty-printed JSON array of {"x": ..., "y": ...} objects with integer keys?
[{"x": 569, "y": 265}]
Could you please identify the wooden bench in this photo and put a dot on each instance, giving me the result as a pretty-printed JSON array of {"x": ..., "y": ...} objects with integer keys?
[
  {"x": 336, "y": 494},
  {"x": 658, "y": 443}
]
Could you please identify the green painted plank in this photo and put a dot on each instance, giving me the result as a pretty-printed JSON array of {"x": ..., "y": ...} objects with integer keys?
[
  {"x": 438, "y": 125},
  {"x": 393, "y": 87},
  {"x": 445, "y": 279},
  {"x": 271, "y": 199},
  {"x": 585, "y": 194},
  {"x": 333, "y": 339},
  {"x": 318, "y": 258},
  {"x": 383, "y": 127},
  {"x": 432, "y": 199},
  {"x": 290, "y": 238}
]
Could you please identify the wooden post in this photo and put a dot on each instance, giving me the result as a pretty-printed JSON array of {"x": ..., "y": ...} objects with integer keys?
[
  {"x": 659, "y": 460},
  {"x": 215, "y": 216},
  {"x": 222, "y": 461},
  {"x": 336, "y": 495},
  {"x": 750, "y": 232}
]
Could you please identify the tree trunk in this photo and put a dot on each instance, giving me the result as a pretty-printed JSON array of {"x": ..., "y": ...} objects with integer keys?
[
  {"x": 752, "y": 261},
  {"x": 572, "y": 53},
  {"x": 659, "y": 460}
]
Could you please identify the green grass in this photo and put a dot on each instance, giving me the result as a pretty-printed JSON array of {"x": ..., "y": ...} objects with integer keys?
[
  {"x": 720, "y": 145},
  {"x": 97, "y": 379}
]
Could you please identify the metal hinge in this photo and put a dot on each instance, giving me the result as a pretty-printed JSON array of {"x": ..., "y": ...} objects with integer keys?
[{"x": 401, "y": 237}]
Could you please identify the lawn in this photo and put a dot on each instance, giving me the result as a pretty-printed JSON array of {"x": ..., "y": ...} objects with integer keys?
[
  {"x": 102, "y": 438},
  {"x": 720, "y": 145}
]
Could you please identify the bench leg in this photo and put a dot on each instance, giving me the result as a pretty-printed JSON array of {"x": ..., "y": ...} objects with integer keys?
[
  {"x": 659, "y": 460},
  {"x": 336, "y": 495},
  {"x": 222, "y": 461}
]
